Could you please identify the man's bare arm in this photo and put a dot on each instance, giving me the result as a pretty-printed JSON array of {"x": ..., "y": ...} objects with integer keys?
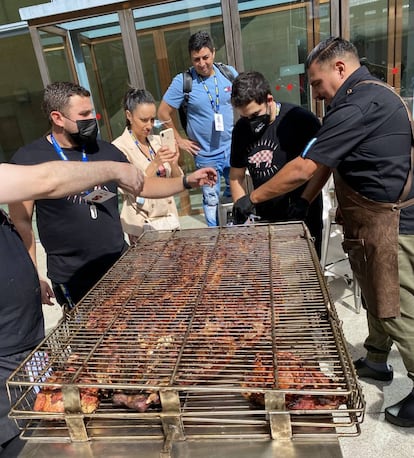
[
  {"x": 58, "y": 179},
  {"x": 316, "y": 183},
  {"x": 295, "y": 173}
]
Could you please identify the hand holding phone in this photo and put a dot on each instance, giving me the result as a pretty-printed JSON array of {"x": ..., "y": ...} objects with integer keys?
[{"x": 168, "y": 139}]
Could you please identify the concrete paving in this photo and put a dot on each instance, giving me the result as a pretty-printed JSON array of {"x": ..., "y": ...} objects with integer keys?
[{"x": 378, "y": 439}]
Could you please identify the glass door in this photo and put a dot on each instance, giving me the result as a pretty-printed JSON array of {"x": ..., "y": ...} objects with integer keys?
[
  {"x": 163, "y": 32},
  {"x": 277, "y": 37},
  {"x": 90, "y": 51}
]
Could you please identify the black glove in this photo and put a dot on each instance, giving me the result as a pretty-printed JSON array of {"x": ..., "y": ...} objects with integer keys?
[
  {"x": 298, "y": 210},
  {"x": 242, "y": 209}
]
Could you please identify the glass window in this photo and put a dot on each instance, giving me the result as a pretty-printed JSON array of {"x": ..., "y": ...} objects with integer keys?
[
  {"x": 56, "y": 58},
  {"x": 171, "y": 26},
  {"x": 368, "y": 32},
  {"x": 149, "y": 64},
  {"x": 407, "y": 63},
  {"x": 275, "y": 42},
  {"x": 21, "y": 92},
  {"x": 324, "y": 20},
  {"x": 108, "y": 78},
  {"x": 9, "y": 9},
  {"x": 100, "y": 63}
]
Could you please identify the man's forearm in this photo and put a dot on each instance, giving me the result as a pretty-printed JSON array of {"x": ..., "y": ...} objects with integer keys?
[
  {"x": 291, "y": 176},
  {"x": 156, "y": 187},
  {"x": 70, "y": 177},
  {"x": 316, "y": 183},
  {"x": 165, "y": 114},
  {"x": 58, "y": 179}
]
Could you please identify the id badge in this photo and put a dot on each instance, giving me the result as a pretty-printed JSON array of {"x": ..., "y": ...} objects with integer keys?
[
  {"x": 218, "y": 122},
  {"x": 98, "y": 196}
]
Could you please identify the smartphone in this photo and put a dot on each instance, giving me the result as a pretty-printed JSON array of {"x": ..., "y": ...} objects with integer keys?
[{"x": 167, "y": 138}]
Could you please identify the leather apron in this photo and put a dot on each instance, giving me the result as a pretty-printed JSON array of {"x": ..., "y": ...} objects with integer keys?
[
  {"x": 371, "y": 241},
  {"x": 371, "y": 232}
]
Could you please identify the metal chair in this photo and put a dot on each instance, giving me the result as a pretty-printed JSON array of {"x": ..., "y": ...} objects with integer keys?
[{"x": 326, "y": 268}]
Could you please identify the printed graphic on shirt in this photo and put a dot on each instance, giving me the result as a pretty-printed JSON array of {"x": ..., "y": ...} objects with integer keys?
[{"x": 262, "y": 159}]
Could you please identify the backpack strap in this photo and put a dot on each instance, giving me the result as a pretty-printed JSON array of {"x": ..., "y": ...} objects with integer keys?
[
  {"x": 225, "y": 71},
  {"x": 187, "y": 81},
  {"x": 409, "y": 180}
]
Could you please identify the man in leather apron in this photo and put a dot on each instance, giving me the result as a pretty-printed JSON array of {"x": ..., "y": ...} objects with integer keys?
[{"x": 366, "y": 139}]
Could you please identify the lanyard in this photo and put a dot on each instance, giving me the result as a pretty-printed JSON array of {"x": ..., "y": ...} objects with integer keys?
[
  {"x": 150, "y": 150},
  {"x": 215, "y": 106},
  {"x": 161, "y": 169},
  {"x": 60, "y": 152},
  {"x": 92, "y": 207}
]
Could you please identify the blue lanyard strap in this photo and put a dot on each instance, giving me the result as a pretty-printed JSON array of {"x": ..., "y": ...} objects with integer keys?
[
  {"x": 150, "y": 150},
  {"x": 60, "y": 152},
  {"x": 161, "y": 169},
  {"x": 215, "y": 106}
]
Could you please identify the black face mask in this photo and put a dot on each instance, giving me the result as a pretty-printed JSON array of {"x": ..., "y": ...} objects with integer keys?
[
  {"x": 259, "y": 123},
  {"x": 87, "y": 132}
]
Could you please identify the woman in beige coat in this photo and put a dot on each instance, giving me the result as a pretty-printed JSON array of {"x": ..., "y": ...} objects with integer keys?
[{"x": 144, "y": 150}]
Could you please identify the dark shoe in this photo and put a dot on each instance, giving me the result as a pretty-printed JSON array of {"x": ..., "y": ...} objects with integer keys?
[
  {"x": 365, "y": 371},
  {"x": 402, "y": 413}
]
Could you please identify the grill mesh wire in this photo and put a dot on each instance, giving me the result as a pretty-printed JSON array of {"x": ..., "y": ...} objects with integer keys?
[{"x": 209, "y": 314}]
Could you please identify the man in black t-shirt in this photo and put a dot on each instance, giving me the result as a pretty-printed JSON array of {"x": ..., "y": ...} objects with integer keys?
[
  {"x": 82, "y": 238},
  {"x": 267, "y": 136},
  {"x": 82, "y": 234}
]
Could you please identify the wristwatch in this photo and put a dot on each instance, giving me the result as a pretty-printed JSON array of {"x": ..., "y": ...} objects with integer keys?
[{"x": 185, "y": 183}]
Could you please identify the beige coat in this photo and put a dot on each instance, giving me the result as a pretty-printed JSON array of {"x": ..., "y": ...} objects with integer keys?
[{"x": 135, "y": 215}]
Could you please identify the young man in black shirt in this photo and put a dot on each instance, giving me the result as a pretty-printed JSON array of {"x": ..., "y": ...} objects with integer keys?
[{"x": 267, "y": 136}]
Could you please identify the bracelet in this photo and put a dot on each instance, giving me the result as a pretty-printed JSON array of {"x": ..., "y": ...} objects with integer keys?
[{"x": 185, "y": 183}]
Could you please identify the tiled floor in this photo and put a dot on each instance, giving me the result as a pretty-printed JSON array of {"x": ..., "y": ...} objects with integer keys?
[{"x": 378, "y": 439}]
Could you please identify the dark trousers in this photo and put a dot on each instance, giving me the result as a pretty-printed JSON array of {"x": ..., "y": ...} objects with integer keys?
[{"x": 71, "y": 292}]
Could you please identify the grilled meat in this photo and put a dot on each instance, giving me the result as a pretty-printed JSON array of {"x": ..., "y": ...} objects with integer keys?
[
  {"x": 52, "y": 401},
  {"x": 139, "y": 402},
  {"x": 292, "y": 373}
]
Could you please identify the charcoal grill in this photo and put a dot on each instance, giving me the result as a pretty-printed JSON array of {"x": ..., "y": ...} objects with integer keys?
[{"x": 232, "y": 328}]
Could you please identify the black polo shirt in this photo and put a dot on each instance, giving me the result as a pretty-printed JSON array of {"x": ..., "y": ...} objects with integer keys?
[{"x": 366, "y": 136}]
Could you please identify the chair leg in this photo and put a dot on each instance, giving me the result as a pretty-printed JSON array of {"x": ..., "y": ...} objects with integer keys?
[
  {"x": 325, "y": 243},
  {"x": 357, "y": 295}
]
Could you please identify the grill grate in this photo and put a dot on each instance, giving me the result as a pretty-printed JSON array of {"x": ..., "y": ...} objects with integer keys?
[{"x": 218, "y": 332}]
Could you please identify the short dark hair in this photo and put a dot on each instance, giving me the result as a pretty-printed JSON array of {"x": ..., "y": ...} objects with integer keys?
[
  {"x": 57, "y": 96},
  {"x": 249, "y": 87},
  {"x": 199, "y": 40},
  {"x": 330, "y": 48},
  {"x": 134, "y": 97}
]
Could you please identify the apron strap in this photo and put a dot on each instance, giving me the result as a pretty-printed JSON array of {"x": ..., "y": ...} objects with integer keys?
[{"x": 409, "y": 180}]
